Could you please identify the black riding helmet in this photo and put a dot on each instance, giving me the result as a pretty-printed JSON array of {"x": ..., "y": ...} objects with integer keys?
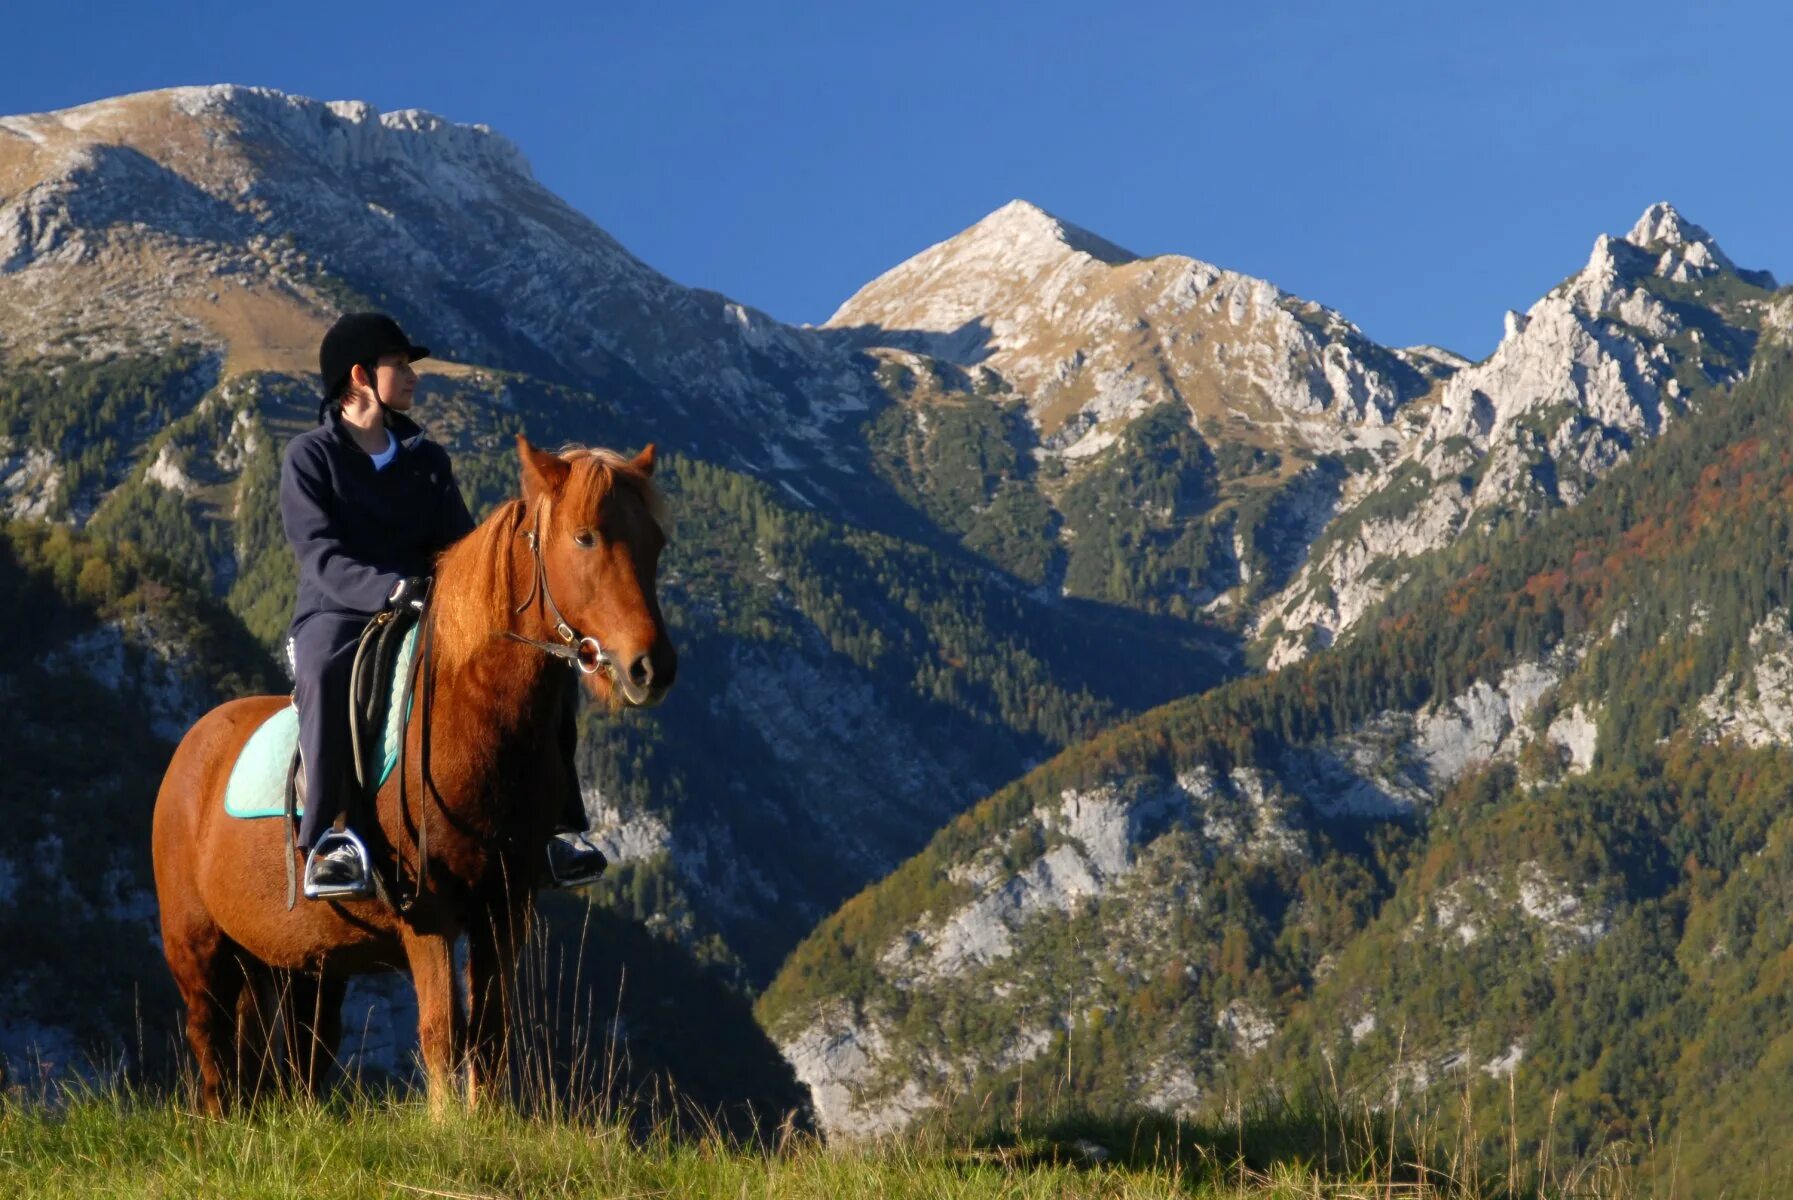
[{"x": 360, "y": 338}]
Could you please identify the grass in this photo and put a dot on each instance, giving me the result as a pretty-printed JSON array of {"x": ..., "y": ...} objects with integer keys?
[
  {"x": 113, "y": 1141},
  {"x": 112, "y": 1145},
  {"x": 587, "y": 1120}
]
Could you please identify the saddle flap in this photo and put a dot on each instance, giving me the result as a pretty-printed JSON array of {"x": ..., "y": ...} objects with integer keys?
[{"x": 258, "y": 778}]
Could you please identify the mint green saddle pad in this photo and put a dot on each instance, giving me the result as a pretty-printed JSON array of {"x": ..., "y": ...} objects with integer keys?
[{"x": 257, "y": 786}]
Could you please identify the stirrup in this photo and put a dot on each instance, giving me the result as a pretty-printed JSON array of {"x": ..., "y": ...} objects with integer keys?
[
  {"x": 595, "y": 860},
  {"x": 340, "y": 891}
]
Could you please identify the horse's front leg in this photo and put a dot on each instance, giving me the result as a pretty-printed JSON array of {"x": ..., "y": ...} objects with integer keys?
[
  {"x": 441, "y": 1032},
  {"x": 492, "y": 942}
]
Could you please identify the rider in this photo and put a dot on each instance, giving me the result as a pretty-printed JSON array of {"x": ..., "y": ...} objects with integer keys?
[{"x": 368, "y": 502}]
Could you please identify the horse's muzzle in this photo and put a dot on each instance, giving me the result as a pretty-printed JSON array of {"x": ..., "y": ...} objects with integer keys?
[{"x": 646, "y": 679}]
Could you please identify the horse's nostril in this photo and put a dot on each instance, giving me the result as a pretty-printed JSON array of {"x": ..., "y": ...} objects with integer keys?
[{"x": 641, "y": 671}]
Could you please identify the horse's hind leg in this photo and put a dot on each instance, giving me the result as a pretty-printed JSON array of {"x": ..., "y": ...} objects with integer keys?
[
  {"x": 259, "y": 996},
  {"x": 312, "y": 1012},
  {"x": 206, "y": 969}
]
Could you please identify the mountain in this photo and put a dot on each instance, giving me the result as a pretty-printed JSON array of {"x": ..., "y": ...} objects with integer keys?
[
  {"x": 1653, "y": 323},
  {"x": 1520, "y": 848},
  {"x": 242, "y": 218},
  {"x": 167, "y": 264},
  {"x": 1092, "y": 334},
  {"x": 1181, "y": 431}
]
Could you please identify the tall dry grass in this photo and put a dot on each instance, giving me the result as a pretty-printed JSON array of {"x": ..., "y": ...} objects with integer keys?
[{"x": 583, "y": 1120}]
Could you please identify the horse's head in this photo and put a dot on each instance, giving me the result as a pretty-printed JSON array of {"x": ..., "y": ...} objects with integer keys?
[{"x": 595, "y": 515}]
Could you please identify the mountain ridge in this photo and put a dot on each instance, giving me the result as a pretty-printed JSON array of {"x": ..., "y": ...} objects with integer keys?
[{"x": 1423, "y": 859}]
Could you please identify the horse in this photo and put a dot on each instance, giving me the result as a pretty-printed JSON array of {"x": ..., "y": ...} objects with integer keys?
[{"x": 563, "y": 575}]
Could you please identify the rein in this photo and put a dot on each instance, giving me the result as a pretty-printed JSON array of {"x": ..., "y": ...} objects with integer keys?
[{"x": 584, "y": 652}]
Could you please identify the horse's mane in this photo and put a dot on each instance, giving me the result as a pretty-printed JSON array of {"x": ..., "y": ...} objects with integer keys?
[
  {"x": 604, "y": 469},
  {"x": 478, "y": 567}
]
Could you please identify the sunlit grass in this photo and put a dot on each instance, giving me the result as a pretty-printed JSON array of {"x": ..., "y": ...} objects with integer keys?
[
  {"x": 113, "y": 1145},
  {"x": 116, "y": 1143}
]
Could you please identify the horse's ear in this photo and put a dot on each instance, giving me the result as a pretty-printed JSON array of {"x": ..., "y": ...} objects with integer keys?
[
  {"x": 543, "y": 473},
  {"x": 644, "y": 462}
]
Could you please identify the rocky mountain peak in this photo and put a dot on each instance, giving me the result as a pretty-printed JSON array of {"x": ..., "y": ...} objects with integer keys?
[
  {"x": 1598, "y": 342},
  {"x": 1598, "y": 365},
  {"x": 980, "y": 271},
  {"x": 221, "y": 136},
  {"x": 1663, "y": 223},
  {"x": 1022, "y": 225},
  {"x": 353, "y": 133},
  {"x": 1683, "y": 251},
  {"x": 1093, "y": 335},
  {"x": 1663, "y": 244}
]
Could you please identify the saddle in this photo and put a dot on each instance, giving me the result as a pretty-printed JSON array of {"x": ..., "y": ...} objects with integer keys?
[{"x": 267, "y": 768}]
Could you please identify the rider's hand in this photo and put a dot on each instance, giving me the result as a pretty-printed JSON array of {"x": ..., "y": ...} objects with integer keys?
[{"x": 410, "y": 591}]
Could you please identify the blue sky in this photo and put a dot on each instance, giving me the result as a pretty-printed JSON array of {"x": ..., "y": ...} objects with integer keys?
[{"x": 1420, "y": 167}]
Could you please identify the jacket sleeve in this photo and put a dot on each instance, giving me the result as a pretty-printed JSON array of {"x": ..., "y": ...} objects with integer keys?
[
  {"x": 310, "y": 529},
  {"x": 453, "y": 521}
]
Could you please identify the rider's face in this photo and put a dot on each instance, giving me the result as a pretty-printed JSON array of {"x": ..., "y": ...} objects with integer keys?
[{"x": 397, "y": 380}]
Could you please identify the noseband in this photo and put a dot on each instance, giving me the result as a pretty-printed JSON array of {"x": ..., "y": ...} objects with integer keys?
[{"x": 583, "y": 652}]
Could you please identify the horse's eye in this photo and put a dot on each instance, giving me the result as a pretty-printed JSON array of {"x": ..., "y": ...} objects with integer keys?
[{"x": 584, "y": 538}]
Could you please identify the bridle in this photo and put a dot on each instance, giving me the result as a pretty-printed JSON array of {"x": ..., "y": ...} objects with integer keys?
[{"x": 581, "y": 651}]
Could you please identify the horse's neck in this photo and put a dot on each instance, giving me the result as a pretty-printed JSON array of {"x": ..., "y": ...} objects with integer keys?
[
  {"x": 506, "y": 688},
  {"x": 499, "y": 688}
]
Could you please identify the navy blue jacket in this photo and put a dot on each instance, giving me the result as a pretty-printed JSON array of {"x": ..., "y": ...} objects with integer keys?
[{"x": 358, "y": 531}]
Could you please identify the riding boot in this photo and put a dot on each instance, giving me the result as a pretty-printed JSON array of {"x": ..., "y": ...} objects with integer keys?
[{"x": 574, "y": 858}]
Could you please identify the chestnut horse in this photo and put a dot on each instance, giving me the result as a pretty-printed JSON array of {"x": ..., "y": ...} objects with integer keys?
[{"x": 573, "y": 560}]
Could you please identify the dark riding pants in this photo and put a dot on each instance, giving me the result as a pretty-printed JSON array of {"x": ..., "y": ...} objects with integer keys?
[{"x": 323, "y": 655}]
